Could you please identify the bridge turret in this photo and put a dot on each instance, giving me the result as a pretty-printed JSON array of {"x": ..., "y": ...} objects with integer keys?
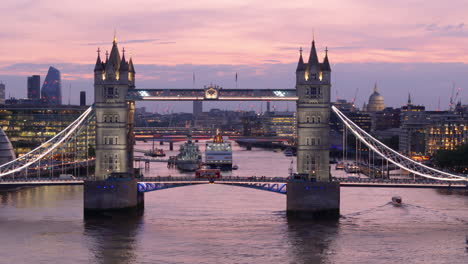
[
  {"x": 325, "y": 74},
  {"x": 123, "y": 71},
  {"x": 98, "y": 69},
  {"x": 131, "y": 73},
  {"x": 113, "y": 115},
  {"x": 313, "y": 113},
  {"x": 301, "y": 68}
]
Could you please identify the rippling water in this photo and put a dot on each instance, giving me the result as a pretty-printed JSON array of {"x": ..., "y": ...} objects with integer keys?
[{"x": 228, "y": 224}]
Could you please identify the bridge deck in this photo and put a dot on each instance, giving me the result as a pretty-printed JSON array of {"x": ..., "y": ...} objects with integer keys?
[{"x": 344, "y": 182}]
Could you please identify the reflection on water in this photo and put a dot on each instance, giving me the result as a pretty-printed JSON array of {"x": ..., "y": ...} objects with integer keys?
[
  {"x": 113, "y": 237},
  {"x": 227, "y": 224},
  {"x": 310, "y": 241}
]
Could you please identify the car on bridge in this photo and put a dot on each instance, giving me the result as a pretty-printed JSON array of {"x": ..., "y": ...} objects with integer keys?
[{"x": 208, "y": 174}]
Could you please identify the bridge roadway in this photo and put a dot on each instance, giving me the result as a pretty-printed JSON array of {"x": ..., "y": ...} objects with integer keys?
[{"x": 266, "y": 183}]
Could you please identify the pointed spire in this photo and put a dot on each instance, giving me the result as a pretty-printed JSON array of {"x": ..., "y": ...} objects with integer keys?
[
  {"x": 98, "y": 66},
  {"x": 313, "y": 59},
  {"x": 375, "y": 88},
  {"x": 300, "y": 64},
  {"x": 130, "y": 66},
  {"x": 326, "y": 64},
  {"x": 114, "y": 57},
  {"x": 409, "y": 98},
  {"x": 123, "y": 63}
]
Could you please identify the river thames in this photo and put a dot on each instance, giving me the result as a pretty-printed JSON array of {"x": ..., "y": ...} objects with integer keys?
[{"x": 226, "y": 224}]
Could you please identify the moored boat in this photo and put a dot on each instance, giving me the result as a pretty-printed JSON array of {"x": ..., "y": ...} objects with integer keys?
[
  {"x": 340, "y": 166},
  {"x": 218, "y": 153},
  {"x": 352, "y": 168},
  {"x": 189, "y": 157}
]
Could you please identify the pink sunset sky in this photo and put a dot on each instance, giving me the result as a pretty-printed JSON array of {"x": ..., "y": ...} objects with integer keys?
[{"x": 258, "y": 39}]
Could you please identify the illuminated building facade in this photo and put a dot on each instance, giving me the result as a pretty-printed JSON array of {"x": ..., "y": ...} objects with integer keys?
[
  {"x": 446, "y": 132},
  {"x": 28, "y": 126},
  {"x": 281, "y": 124},
  {"x": 51, "y": 92}
]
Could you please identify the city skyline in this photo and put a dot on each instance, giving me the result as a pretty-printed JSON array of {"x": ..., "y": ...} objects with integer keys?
[{"x": 260, "y": 43}]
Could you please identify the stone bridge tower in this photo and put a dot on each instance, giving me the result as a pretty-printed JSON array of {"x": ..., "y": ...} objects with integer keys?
[
  {"x": 114, "y": 137},
  {"x": 313, "y": 193},
  {"x": 313, "y": 82},
  {"x": 114, "y": 114}
]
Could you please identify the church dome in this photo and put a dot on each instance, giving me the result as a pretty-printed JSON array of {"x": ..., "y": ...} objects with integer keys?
[
  {"x": 376, "y": 101},
  {"x": 6, "y": 149}
]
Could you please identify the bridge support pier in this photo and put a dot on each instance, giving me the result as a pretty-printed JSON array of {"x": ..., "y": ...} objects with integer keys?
[
  {"x": 171, "y": 145},
  {"x": 112, "y": 195},
  {"x": 317, "y": 200}
]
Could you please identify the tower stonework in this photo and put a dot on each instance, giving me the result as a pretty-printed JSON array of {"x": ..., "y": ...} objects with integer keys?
[
  {"x": 313, "y": 115},
  {"x": 311, "y": 193},
  {"x": 114, "y": 114},
  {"x": 114, "y": 185}
]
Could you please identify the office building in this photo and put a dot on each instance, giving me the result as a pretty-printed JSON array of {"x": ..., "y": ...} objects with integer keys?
[
  {"x": 82, "y": 98},
  {"x": 2, "y": 93},
  {"x": 34, "y": 87},
  {"x": 51, "y": 92}
]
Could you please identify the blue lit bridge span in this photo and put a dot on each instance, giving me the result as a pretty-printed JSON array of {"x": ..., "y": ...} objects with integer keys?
[
  {"x": 21, "y": 166},
  {"x": 271, "y": 184}
]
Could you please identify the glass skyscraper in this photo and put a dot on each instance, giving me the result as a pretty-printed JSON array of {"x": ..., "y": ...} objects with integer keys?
[{"x": 51, "y": 92}]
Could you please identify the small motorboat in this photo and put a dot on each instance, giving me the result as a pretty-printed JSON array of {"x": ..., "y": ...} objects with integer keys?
[
  {"x": 235, "y": 167},
  {"x": 396, "y": 200}
]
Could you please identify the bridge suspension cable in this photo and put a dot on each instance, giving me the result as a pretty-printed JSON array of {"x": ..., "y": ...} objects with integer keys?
[
  {"x": 394, "y": 157},
  {"x": 46, "y": 148}
]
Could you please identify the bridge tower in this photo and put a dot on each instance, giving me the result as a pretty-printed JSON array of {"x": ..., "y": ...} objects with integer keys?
[
  {"x": 312, "y": 191},
  {"x": 114, "y": 184}
]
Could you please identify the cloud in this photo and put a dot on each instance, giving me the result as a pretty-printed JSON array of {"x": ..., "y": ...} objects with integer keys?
[
  {"x": 121, "y": 42},
  {"x": 455, "y": 30},
  {"x": 272, "y": 61}
]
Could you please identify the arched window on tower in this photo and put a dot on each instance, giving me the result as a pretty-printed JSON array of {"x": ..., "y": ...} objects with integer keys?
[{"x": 307, "y": 119}]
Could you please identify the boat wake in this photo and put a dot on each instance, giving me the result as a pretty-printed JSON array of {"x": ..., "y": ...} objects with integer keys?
[{"x": 369, "y": 210}]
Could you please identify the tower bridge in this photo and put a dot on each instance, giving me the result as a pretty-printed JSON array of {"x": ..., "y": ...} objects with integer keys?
[
  {"x": 312, "y": 190},
  {"x": 115, "y": 96}
]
